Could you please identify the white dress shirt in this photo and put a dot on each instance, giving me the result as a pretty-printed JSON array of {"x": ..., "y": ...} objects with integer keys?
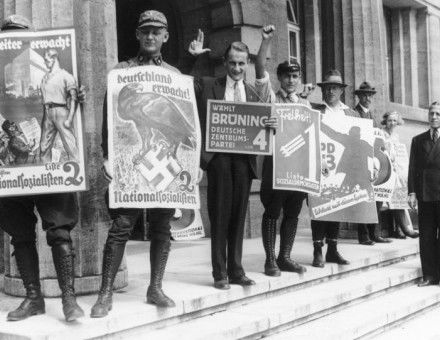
[{"x": 229, "y": 91}]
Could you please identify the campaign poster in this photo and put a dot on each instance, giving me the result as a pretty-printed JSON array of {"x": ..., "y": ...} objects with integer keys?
[
  {"x": 238, "y": 128},
  {"x": 41, "y": 133},
  {"x": 187, "y": 225},
  {"x": 347, "y": 192},
  {"x": 399, "y": 200},
  {"x": 297, "y": 151},
  {"x": 154, "y": 139},
  {"x": 385, "y": 181}
]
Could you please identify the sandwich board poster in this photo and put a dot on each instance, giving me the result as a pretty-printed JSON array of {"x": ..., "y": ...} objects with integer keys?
[
  {"x": 41, "y": 134},
  {"x": 297, "y": 150},
  {"x": 346, "y": 193},
  {"x": 154, "y": 139}
]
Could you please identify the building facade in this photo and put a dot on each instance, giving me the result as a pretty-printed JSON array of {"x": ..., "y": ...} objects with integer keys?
[{"x": 393, "y": 44}]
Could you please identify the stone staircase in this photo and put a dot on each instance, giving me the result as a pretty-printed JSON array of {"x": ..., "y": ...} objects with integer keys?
[{"x": 336, "y": 302}]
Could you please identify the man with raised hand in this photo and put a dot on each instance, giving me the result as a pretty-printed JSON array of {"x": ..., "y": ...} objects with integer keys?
[{"x": 289, "y": 77}]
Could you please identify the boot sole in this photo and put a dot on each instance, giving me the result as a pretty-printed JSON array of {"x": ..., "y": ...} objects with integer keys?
[
  {"x": 152, "y": 302},
  {"x": 96, "y": 316},
  {"x": 75, "y": 316},
  {"x": 39, "y": 312}
]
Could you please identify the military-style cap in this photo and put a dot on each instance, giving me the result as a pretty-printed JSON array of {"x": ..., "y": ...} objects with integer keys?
[
  {"x": 152, "y": 18},
  {"x": 16, "y": 21},
  {"x": 332, "y": 77},
  {"x": 365, "y": 87},
  {"x": 286, "y": 67}
]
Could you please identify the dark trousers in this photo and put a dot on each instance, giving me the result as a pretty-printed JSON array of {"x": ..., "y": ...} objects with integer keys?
[
  {"x": 125, "y": 219},
  {"x": 58, "y": 212},
  {"x": 229, "y": 183},
  {"x": 429, "y": 225},
  {"x": 274, "y": 200},
  {"x": 367, "y": 231},
  {"x": 324, "y": 229}
]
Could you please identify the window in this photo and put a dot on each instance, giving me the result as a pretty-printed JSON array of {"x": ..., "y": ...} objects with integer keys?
[{"x": 293, "y": 30}]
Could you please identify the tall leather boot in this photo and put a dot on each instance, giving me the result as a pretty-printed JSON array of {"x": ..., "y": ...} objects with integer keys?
[
  {"x": 27, "y": 262},
  {"x": 332, "y": 254},
  {"x": 287, "y": 237},
  {"x": 268, "y": 233},
  {"x": 363, "y": 235},
  {"x": 409, "y": 232},
  {"x": 111, "y": 261},
  {"x": 374, "y": 237},
  {"x": 318, "y": 260},
  {"x": 63, "y": 261},
  {"x": 159, "y": 251}
]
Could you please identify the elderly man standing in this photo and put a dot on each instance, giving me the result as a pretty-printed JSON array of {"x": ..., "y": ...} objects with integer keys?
[
  {"x": 332, "y": 90},
  {"x": 59, "y": 215},
  {"x": 367, "y": 231},
  {"x": 424, "y": 191}
]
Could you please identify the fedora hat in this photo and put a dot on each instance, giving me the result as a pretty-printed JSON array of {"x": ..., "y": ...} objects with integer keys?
[
  {"x": 332, "y": 77},
  {"x": 365, "y": 87}
]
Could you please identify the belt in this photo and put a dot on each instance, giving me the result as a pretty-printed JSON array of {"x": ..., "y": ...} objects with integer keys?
[{"x": 52, "y": 105}]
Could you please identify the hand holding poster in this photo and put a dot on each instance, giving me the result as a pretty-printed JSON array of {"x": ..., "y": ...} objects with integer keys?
[
  {"x": 297, "y": 156},
  {"x": 154, "y": 139},
  {"x": 38, "y": 106},
  {"x": 238, "y": 128},
  {"x": 347, "y": 193}
]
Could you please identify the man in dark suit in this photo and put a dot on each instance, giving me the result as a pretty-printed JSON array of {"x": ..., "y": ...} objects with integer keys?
[
  {"x": 229, "y": 175},
  {"x": 367, "y": 231},
  {"x": 424, "y": 189}
]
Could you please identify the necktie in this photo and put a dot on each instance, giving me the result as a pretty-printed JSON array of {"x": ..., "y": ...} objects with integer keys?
[
  {"x": 292, "y": 97},
  {"x": 237, "y": 93},
  {"x": 435, "y": 135}
]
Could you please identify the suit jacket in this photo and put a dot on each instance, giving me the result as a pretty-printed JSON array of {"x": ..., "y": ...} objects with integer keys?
[
  {"x": 424, "y": 168},
  {"x": 214, "y": 88},
  {"x": 369, "y": 115}
]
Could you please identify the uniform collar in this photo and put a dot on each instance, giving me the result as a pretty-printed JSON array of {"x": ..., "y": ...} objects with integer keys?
[
  {"x": 289, "y": 97},
  {"x": 144, "y": 60}
]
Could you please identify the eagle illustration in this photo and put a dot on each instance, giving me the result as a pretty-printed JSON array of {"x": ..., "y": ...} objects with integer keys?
[{"x": 153, "y": 112}]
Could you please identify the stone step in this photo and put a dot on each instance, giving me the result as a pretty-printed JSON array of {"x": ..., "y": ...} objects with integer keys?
[
  {"x": 259, "y": 318},
  {"x": 422, "y": 325},
  {"x": 373, "y": 316},
  {"x": 189, "y": 283}
]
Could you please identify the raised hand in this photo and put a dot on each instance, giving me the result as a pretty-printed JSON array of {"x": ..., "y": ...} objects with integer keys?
[
  {"x": 196, "y": 46},
  {"x": 268, "y": 32}
]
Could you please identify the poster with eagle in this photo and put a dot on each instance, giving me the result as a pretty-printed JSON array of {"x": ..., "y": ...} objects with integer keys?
[{"x": 154, "y": 139}]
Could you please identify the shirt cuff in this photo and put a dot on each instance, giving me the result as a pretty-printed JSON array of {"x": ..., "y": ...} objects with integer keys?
[{"x": 263, "y": 80}]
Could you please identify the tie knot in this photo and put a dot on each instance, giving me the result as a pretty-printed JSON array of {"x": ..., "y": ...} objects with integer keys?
[{"x": 292, "y": 97}]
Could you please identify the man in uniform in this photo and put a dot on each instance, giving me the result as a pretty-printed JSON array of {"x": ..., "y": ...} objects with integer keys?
[
  {"x": 151, "y": 33},
  {"x": 59, "y": 94},
  {"x": 18, "y": 147},
  {"x": 289, "y": 76},
  {"x": 332, "y": 89},
  {"x": 367, "y": 231},
  {"x": 59, "y": 215},
  {"x": 229, "y": 175},
  {"x": 424, "y": 191}
]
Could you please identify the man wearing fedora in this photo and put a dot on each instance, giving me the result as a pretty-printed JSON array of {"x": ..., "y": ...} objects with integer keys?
[
  {"x": 367, "y": 231},
  {"x": 332, "y": 89},
  {"x": 152, "y": 34}
]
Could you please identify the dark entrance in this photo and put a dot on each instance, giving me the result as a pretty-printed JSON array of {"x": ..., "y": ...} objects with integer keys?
[{"x": 127, "y": 15}]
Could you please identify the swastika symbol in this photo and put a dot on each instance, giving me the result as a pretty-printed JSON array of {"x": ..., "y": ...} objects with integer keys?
[{"x": 159, "y": 169}]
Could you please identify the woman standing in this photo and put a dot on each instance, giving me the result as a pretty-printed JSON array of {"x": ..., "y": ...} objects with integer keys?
[{"x": 402, "y": 223}]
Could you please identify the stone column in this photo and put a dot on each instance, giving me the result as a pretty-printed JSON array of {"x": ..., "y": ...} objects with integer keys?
[
  {"x": 364, "y": 47},
  {"x": 433, "y": 55},
  {"x": 409, "y": 26},
  {"x": 95, "y": 25},
  {"x": 422, "y": 58}
]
